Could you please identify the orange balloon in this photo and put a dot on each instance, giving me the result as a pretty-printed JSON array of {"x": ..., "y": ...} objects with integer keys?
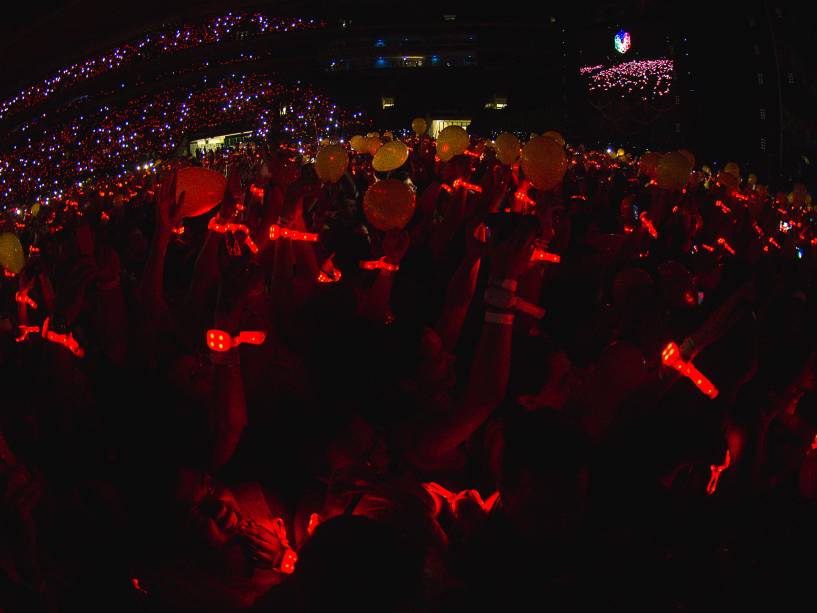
[
  {"x": 203, "y": 189},
  {"x": 390, "y": 156},
  {"x": 331, "y": 162},
  {"x": 544, "y": 162},
  {"x": 688, "y": 155},
  {"x": 733, "y": 169},
  {"x": 452, "y": 141},
  {"x": 555, "y": 136},
  {"x": 648, "y": 164},
  {"x": 507, "y": 148},
  {"x": 389, "y": 204},
  {"x": 728, "y": 180},
  {"x": 673, "y": 171},
  {"x": 358, "y": 143},
  {"x": 373, "y": 144},
  {"x": 419, "y": 125}
]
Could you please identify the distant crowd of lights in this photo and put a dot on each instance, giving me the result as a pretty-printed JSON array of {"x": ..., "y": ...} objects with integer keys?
[
  {"x": 644, "y": 78},
  {"x": 588, "y": 69},
  {"x": 151, "y": 46},
  {"x": 111, "y": 142}
]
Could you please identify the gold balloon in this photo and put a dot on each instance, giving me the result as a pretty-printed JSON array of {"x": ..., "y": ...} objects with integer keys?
[
  {"x": 389, "y": 205},
  {"x": 648, "y": 164},
  {"x": 620, "y": 153},
  {"x": 752, "y": 180},
  {"x": 358, "y": 143},
  {"x": 555, "y": 136},
  {"x": 331, "y": 162},
  {"x": 35, "y": 210},
  {"x": 544, "y": 162},
  {"x": 11, "y": 253},
  {"x": 673, "y": 171},
  {"x": 324, "y": 142},
  {"x": 689, "y": 156},
  {"x": 390, "y": 156},
  {"x": 451, "y": 141},
  {"x": 507, "y": 148},
  {"x": 373, "y": 135},
  {"x": 733, "y": 169},
  {"x": 373, "y": 144},
  {"x": 203, "y": 189},
  {"x": 727, "y": 180},
  {"x": 799, "y": 193},
  {"x": 419, "y": 125}
]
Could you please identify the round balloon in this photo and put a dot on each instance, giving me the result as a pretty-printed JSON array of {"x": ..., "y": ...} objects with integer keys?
[
  {"x": 544, "y": 162},
  {"x": 390, "y": 156},
  {"x": 727, "y": 180},
  {"x": 648, "y": 164},
  {"x": 373, "y": 135},
  {"x": 689, "y": 156},
  {"x": 389, "y": 204},
  {"x": 35, "y": 210},
  {"x": 324, "y": 142},
  {"x": 507, "y": 148},
  {"x": 203, "y": 189},
  {"x": 331, "y": 162},
  {"x": 733, "y": 169},
  {"x": 752, "y": 179},
  {"x": 419, "y": 125},
  {"x": 358, "y": 143},
  {"x": 11, "y": 253},
  {"x": 555, "y": 136},
  {"x": 373, "y": 144},
  {"x": 451, "y": 141},
  {"x": 673, "y": 171}
]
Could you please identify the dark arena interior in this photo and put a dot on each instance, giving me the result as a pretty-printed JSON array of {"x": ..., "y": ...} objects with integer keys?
[{"x": 407, "y": 307}]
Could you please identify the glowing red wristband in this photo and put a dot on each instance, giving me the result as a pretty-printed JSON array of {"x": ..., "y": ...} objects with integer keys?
[
  {"x": 722, "y": 242},
  {"x": 466, "y": 185},
  {"x": 25, "y": 331},
  {"x": 219, "y": 340},
  {"x": 522, "y": 195},
  {"x": 540, "y": 255},
  {"x": 716, "y": 473},
  {"x": 446, "y": 187},
  {"x": 276, "y": 232},
  {"x": 723, "y": 207},
  {"x": 257, "y": 191},
  {"x": 645, "y": 222},
  {"x": 314, "y": 522},
  {"x": 223, "y": 228},
  {"x": 671, "y": 356},
  {"x": 23, "y": 298},
  {"x": 439, "y": 494},
  {"x": 179, "y": 230},
  {"x": 380, "y": 264}
]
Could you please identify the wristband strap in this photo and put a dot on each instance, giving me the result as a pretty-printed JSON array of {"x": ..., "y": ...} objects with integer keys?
[
  {"x": 508, "y": 284},
  {"x": 503, "y": 319}
]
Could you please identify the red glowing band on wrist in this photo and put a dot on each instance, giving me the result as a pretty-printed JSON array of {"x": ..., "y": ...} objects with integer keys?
[
  {"x": 723, "y": 207},
  {"x": 439, "y": 494},
  {"x": 178, "y": 231},
  {"x": 66, "y": 340},
  {"x": 540, "y": 255},
  {"x": 522, "y": 196},
  {"x": 466, "y": 185},
  {"x": 671, "y": 356},
  {"x": 716, "y": 473},
  {"x": 314, "y": 522},
  {"x": 774, "y": 242},
  {"x": 219, "y": 340},
  {"x": 287, "y": 565},
  {"x": 380, "y": 264},
  {"x": 257, "y": 191},
  {"x": 645, "y": 222},
  {"x": 25, "y": 331},
  {"x": 446, "y": 187},
  {"x": 23, "y": 298},
  {"x": 276, "y": 232},
  {"x": 8, "y": 273},
  {"x": 722, "y": 242},
  {"x": 223, "y": 228}
]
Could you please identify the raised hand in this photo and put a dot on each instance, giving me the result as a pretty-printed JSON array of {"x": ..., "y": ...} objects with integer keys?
[{"x": 168, "y": 208}]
